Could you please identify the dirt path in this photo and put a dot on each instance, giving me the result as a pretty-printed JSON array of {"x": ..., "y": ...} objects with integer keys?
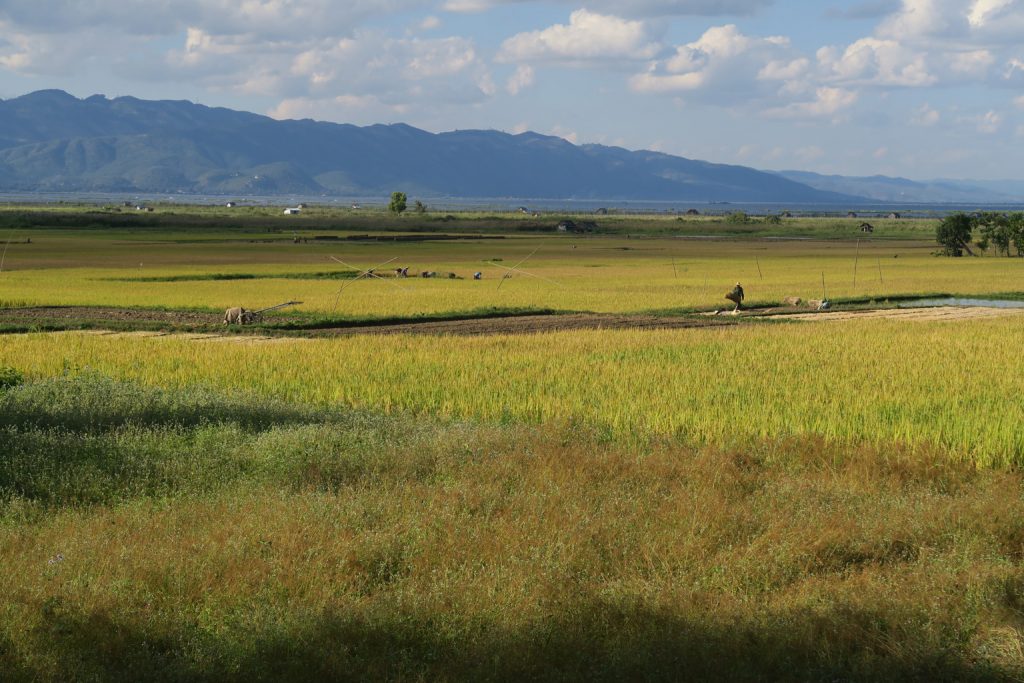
[
  {"x": 105, "y": 314},
  {"x": 912, "y": 314},
  {"x": 530, "y": 324},
  {"x": 207, "y": 326}
]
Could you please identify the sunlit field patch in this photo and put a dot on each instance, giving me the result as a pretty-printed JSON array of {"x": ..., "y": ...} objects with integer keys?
[
  {"x": 559, "y": 273},
  {"x": 942, "y": 384}
]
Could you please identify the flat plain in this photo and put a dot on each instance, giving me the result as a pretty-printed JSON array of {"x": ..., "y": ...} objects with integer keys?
[{"x": 658, "y": 493}]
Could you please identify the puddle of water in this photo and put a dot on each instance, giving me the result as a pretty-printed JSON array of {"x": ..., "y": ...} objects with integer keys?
[{"x": 955, "y": 301}]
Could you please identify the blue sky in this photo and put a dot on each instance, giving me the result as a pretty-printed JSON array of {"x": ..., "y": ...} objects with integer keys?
[{"x": 918, "y": 88}]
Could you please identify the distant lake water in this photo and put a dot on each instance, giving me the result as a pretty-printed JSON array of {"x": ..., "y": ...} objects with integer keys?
[{"x": 511, "y": 205}]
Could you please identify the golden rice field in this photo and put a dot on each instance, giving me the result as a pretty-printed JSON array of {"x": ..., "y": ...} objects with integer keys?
[
  {"x": 953, "y": 385},
  {"x": 562, "y": 273}
]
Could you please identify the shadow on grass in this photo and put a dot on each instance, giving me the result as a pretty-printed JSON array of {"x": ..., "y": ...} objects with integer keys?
[
  {"x": 595, "y": 642},
  {"x": 89, "y": 402}
]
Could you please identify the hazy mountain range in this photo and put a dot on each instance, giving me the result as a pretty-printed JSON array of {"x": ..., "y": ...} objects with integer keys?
[
  {"x": 52, "y": 141},
  {"x": 885, "y": 189}
]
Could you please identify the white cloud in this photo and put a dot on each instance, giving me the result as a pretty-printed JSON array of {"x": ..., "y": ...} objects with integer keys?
[
  {"x": 990, "y": 122},
  {"x": 635, "y": 8},
  {"x": 430, "y": 23},
  {"x": 972, "y": 64},
  {"x": 520, "y": 80},
  {"x": 724, "y": 63},
  {"x": 876, "y": 62},
  {"x": 565, "y": 133},
  {"x": 334, "y": 75},
  {"x": 588, "y": 37},
  {"x": 784, "y": 70},
  {"x": 925, "y": 116},
  {"x": 268, "y": 19},
  {"x": 328, "y": 108},
  {"x": 827, "y": 103},
  {"x": 981, "y": 23},
  {"x": 1019, "y": 102}
]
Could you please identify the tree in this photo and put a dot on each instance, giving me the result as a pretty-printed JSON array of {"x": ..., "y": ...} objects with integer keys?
[
  {"x": 1016, "y": 221},
  {"x": 996, "y": 230},
  {"x": 954, "y": 234},
  {"x": 398, "y": 200},
  {"x": 419, "y": 207}
]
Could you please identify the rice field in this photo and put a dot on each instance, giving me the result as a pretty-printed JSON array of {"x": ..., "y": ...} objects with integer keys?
[
  {"x": 942, "y": 384},
  {"x": 610, "y": 274}
]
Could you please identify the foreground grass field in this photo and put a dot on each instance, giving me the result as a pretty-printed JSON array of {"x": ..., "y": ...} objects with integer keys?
[{"x": 187, "y": 535}]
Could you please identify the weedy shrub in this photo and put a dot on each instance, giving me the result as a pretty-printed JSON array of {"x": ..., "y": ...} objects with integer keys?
[
  {"x": 89, "y": 400},
  {"x": 10, "y": 377}
]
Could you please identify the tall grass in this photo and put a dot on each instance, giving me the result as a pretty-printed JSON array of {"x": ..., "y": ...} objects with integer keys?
[
  {"x": 353, "y": 546},
  {"x": 944, "y": 385}
]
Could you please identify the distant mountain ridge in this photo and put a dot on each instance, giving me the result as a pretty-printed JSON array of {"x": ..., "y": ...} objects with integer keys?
[
  {"x": 53, "y": 141},
  {"x": 887, "y": 189}
]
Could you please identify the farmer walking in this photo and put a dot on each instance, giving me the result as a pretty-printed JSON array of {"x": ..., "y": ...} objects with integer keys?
[{"x": 736, "y": 296}]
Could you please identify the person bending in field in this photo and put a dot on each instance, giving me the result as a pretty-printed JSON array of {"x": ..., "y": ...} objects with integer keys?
[{"x": 736, "y": 296}]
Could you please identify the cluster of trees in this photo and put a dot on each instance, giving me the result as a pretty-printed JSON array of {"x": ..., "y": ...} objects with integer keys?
[
  {"x": 998, "y": 230},
  {"x": 742, "y": 218},
  {"x": 399, "y": 202}
]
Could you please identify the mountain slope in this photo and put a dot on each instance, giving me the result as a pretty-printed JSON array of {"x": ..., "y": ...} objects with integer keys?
[
  {"x": 50, "y": 140},
  {"x": 887, "y": 189}
]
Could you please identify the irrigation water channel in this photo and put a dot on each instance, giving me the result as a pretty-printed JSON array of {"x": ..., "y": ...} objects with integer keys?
[{"x": 955, "y": 301}]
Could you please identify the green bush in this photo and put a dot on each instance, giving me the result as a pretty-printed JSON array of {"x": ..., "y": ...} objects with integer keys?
[{"x": 10, "y": 377}]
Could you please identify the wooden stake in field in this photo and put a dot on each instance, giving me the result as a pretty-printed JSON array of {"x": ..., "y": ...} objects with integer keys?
[
  {"x": 4, "y": 256},
  {"x": 508, "y": 275},
  {"x": 824, "y": 296},
  {"x": 366, "y": 273},
  {"x": 855, "y": 259},
  {"x": 758, "y": 268},
  {"x": 674, "y": 271}
]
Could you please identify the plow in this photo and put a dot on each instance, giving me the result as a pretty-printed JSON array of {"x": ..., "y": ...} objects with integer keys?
[{"x": 244, "y": 316}]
